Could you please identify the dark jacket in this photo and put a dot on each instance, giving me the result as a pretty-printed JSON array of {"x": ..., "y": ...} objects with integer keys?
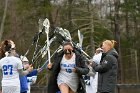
[
  {"x": 81, "y": 69},
  {"x": 107, "y": 70}
]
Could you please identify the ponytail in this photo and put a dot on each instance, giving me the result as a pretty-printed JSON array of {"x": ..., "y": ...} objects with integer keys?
[
  {"x": 111, "y": 43},
  {"x": 5, "y": 48}
]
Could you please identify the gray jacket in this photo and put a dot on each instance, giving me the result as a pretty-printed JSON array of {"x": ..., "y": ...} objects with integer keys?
[{"x": 107, "y": 71}]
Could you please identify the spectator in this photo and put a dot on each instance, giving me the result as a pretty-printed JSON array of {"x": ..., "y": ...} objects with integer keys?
[{"x": 107, "y": 69}]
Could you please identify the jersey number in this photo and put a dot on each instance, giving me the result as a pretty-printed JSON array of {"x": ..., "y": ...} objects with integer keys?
[{"x": 8, "y": 69}]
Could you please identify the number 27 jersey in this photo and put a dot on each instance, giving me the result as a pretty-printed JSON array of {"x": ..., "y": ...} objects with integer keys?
[{"x": 10, "y": 66}]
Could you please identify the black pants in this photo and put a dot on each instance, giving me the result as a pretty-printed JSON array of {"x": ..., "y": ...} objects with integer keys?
[{"x": 24, "y": 92}]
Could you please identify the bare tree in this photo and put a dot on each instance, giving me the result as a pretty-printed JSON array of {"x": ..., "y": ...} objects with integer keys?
[
  {"x": 92, "y": 27},
  {"x": 117, "y": 36},
  {"x": 3, "y": 19}
]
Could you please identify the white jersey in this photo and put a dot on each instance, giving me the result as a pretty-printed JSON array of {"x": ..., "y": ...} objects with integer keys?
[
  {"x": 92, "y": 88},
  {"x": 9, "y": 66},
  {"x": 66, "y": 75},
  {"x": 97, "y": 58}
]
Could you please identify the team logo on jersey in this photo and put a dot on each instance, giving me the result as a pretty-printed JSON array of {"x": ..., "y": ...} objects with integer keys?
[{"x": 105, "y": 62}]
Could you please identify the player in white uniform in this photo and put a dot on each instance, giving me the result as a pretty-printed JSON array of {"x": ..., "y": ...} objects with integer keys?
[
  {"x": 92, "y": 88},
  {"x": 11, "y": 67}
]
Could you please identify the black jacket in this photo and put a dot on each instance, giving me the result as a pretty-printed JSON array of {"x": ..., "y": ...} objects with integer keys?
[
  {"x": 81, "y": 69},
  {"x": 107, "y": 70}
]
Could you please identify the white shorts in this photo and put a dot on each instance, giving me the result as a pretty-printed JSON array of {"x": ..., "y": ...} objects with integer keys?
[{"x": 10, "y": 89}]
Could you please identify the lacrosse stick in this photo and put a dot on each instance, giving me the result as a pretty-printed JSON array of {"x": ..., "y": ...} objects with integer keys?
[
  {"x": 46, "y": 24},
  {"x": 80, "y": 37},
  {"x": 47, "y": 61},
  {"x": 64, "y": 35},
  {"x": 36, "y": 39}
]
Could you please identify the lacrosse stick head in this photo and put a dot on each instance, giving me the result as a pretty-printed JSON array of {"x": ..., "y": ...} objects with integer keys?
[
  {"x": 62, "y": 34},
  {"x": 80, "y": 36},
  {"x": 67, "y": 34},
  {"x": 46, "y": 24},
  {"x": 40, "y": 22}
]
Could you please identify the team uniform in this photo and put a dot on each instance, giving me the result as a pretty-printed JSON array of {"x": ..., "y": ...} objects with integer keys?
[
  {"x": 31, "y": 80},
  {"x": 92, "y": 87},
  {"x": 66, "y": 75},
  {"x": 10, "y": 79}
]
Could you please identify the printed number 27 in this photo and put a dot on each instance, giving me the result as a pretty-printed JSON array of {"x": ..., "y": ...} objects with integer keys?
[{"x": 7, "y": 69}]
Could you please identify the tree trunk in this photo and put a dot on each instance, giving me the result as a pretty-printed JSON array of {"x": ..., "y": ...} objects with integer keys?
[
  {"x": 127, "y": 22},
  {"x": 3, "y": 19},
  {"x": 92, "y": 28},
  {"x": 70, "y": 14},
  {"x": 136, "y": 29},
  {"x": 117, "y": 38}
]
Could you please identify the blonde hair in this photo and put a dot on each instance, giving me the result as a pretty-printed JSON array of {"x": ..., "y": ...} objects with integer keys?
[{"x": 111, "y": 43}]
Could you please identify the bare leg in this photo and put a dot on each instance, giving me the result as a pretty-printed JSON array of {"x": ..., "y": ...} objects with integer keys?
[
  {"x": 71, "y": 91},
  {"x": 63, "y": 88}
]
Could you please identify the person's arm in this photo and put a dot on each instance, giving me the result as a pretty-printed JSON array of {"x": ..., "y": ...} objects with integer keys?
[
  {"x": 33, "y": 73},
  {"x": 105, "y": 65},
  {"x": 91, "y": 71},
  {"x": 23, "y": 73},
  {"x": 50, "y": 65},
  {"x": 82, "y": 69}
]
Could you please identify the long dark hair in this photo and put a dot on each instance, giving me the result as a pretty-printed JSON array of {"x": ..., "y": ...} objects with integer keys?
[{"x": 5, "y": 46}]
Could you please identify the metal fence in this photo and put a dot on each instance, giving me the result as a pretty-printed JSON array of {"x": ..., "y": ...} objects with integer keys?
[
  {"x": 121, "y": 88},
  {"x": 128, "y": 88}
]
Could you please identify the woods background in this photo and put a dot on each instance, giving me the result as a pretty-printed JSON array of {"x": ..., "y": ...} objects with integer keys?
[{"x": 97, "y": 20}]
